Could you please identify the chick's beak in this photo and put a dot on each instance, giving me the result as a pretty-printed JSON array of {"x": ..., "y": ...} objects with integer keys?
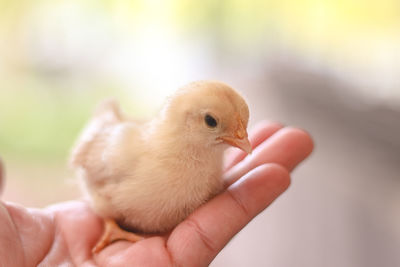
[
  {"x": 242, "y": 143},
  {"x": 239, "y": 138}
]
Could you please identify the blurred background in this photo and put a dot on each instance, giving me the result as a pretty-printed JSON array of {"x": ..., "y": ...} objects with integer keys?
[{"x": 331, "y": 67}]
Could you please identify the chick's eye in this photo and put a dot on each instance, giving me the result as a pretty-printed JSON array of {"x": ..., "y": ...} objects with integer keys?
[{"x": 210, "y": 121}]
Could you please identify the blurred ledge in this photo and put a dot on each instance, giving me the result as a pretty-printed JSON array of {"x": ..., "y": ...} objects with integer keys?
[{"x": 320, "y": 90}]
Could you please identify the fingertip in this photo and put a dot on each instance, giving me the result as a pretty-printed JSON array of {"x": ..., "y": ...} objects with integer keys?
[
  {"x": 302, "y": 137},
  {"x": 295, "y": 143}
]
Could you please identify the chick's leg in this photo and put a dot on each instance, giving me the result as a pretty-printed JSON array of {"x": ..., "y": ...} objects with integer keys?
[{"x": 112, "y": 232}]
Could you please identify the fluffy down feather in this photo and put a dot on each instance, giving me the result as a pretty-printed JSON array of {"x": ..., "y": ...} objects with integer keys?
[{"x": 151, "y": 176}]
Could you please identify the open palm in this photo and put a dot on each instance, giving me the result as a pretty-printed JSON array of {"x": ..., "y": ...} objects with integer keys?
[{"x": 65, "y": 233}]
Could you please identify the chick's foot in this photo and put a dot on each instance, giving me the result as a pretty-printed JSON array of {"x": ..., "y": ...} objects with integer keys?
[{"x": 112, "y": 232}]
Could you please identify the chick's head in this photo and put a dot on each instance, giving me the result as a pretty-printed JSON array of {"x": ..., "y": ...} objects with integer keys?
[{"x": 211, "y": 113}]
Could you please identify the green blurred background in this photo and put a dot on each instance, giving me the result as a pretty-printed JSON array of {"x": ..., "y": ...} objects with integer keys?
[{"x": 332, "y": 67}]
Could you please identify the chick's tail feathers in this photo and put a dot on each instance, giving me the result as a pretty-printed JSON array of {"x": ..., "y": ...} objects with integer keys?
[
  {"x": 91, "y": 142},
  {"x": 110, "y": 110}
]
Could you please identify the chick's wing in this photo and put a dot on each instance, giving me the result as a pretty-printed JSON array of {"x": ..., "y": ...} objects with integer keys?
[{"x": 103, "y": 137}]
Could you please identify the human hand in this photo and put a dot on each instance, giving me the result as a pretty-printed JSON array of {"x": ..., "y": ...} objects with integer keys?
[{"x": 65, "y": 233}]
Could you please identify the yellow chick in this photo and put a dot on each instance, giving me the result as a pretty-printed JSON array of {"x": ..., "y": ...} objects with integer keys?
[{"x": 149, "y": 177}]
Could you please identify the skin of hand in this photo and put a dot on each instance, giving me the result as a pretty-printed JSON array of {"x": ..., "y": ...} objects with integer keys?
[{"x": 65, "y": 233}]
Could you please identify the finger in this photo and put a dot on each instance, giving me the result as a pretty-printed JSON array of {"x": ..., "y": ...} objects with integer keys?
[
  {"x": 78, "y": 230},
  {"x": 11, "y": 247},
  {"x": 287, "y": 147},
  {"x": 259, "y": 134},
  {"x": 198, "y": 239},
  {"x": 34, "y": 232}
]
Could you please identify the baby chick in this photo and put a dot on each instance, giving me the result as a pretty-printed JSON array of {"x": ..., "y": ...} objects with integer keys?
[{"x": 149, "y": 177}]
